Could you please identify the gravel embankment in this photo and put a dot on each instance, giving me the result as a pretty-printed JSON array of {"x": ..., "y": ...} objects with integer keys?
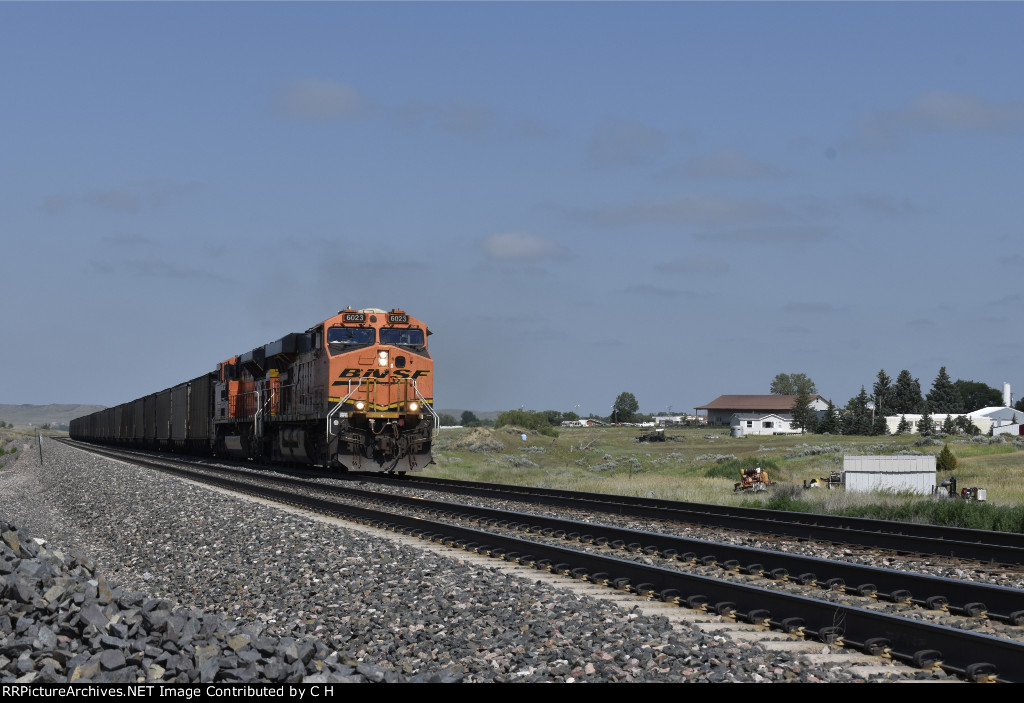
[{"x": 162, "y": 580}]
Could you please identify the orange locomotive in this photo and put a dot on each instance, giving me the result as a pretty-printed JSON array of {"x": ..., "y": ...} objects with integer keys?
[{"x": 353, "y": 392}]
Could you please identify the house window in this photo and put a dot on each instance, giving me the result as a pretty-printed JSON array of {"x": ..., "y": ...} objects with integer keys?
[
  {"x": 768, "y": 424},
  {"x": 750, "y": 423}
]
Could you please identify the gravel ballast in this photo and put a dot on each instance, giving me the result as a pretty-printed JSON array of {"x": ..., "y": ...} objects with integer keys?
[{"x": 145, "y": 577}]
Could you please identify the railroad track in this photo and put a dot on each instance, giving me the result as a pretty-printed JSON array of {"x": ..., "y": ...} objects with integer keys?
[
  {"x": 1005, "y": 548},
  {"x": 923, "y": 644}
]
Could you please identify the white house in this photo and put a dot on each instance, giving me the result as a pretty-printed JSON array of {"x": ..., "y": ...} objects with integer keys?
[
  {"x": 721, "y": 409},
  {"x": 761, "y": 423}
]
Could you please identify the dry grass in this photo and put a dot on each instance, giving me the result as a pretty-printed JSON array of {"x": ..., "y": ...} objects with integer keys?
[{"x": 608, "y": 460}]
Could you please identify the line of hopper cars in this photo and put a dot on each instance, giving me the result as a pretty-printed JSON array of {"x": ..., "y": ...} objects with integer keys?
[{"x": 353, "y": 392}]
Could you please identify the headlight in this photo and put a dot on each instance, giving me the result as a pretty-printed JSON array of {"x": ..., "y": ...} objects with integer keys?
[
  {"x": 414, "y": 406},
  {"x": 382, "y": 357},
  {"x": 360, "y": 405}
]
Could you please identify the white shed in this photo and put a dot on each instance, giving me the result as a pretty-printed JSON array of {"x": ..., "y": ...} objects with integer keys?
[{"x": 895, "y": 474}]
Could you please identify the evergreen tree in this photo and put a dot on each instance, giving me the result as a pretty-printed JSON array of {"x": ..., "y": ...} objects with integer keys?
[
  {"x": 906, "y": 398},
  {"x": 943, "y": 397},
  {"x": 945, "y": 461},
  {"x": 904, "y": 426},
  {"x": 948, "y": 425},
  {"x": 925, "y": 426},
  {"x": 879, "y": 427},
  {"x": 884, "y": 392},
  {"x": 857, "y": 417},
  {"x": 830, "y": 420},
  {"x": 802, "y": 412}
]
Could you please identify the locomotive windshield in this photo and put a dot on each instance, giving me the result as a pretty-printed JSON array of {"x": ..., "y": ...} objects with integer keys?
[
  {"x": 401, "y": 337},
  {"x": 342, "y": 339}
]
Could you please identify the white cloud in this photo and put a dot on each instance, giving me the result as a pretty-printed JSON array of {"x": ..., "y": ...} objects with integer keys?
[
  {"x": 521, "y": 247},
  {"x": 467, "y": 120},
  {"x": 312, "y": 99},
  {"x": 938, "y": 111},
  {"x": 687, "y": 210},
  {"x": 625, "y": 145},
  {"x": 726, "y": 164},
  {"x": 789, "y": 234},
  {"x": 695, "y": 265}
]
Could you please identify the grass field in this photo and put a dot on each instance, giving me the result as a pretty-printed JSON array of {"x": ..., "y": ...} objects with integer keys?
[{"x": 703, "y": 464}]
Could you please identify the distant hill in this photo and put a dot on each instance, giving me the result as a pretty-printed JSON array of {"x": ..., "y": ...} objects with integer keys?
[{"x": 38, "y": 415}]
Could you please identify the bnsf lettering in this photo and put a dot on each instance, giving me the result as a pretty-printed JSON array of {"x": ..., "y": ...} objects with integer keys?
[{"x": 379, "y": 373}]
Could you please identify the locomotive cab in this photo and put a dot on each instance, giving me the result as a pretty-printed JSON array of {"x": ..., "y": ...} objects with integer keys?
[{"x": 381, "y": 381}]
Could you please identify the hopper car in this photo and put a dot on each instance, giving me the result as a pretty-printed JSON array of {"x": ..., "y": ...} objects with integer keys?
[{"x": 352, "y": 392}]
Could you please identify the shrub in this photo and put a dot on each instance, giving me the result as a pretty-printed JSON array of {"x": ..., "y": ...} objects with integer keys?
[
  {"x": 945, "y": 461},
  {"x": 516, "y": 462}
]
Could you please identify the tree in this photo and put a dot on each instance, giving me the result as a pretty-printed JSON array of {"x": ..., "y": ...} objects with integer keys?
[
  {"x": 943, "y": 397},
  {"x": 792, "y": 384},
  {"x": 976, "y": 396},
  {"x": 904, "y": 427},
  {"x": 447, "y": 420},
  {"x": 829, "y": 421},
  {"x": 803, "y": 413},
  {"x": 906, "y": 398},
  {"x": 964, "y": 424},
  {"x": 925, "y": 426},
  {"x": 857, "y": 416},
  {"x": 624, "y": 408},
  {"x": 948, "y": 425},
  {"x": 527, "y": 419},
  {"x": 945, "y": 461},
  {"x": 469, "y": 419},
  {"x": 883, "y": 391},
  {"x": 880, "y": 426}
]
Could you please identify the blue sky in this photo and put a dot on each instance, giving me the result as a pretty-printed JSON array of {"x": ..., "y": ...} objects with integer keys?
[{"x": 679, "y": 200}]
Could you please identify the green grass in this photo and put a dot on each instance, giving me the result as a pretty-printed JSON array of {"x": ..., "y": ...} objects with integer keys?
[{"x": 703, "y": 464}]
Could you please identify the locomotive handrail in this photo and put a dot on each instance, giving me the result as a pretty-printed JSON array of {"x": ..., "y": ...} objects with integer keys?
[
  {"x": 341, "y": 402},
  {"x": 428, "y": 406}
]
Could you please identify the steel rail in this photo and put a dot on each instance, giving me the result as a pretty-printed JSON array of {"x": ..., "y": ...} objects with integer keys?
[
  {"x": 971, "y": 599},
  {"x": 973, "y": 656},
  {"x": 957, "y": 542}
]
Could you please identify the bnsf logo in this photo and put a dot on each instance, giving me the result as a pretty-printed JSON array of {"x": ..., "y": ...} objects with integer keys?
[{"x": 379, "y": 373}]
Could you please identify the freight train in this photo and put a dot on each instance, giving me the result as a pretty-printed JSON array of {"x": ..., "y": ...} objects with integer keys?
[{"x": 353, "y": 392}]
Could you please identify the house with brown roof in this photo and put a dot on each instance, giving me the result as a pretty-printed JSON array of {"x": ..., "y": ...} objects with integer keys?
[{"x": 721, "y": 409}]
